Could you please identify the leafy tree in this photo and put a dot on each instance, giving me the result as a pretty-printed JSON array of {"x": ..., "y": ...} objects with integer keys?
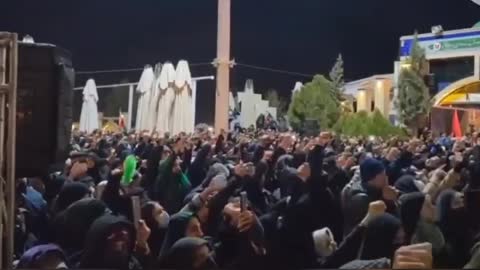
[
  {"x": 275, "y": 101},
  {"x": 357, "y": 124},
  {"x": 381, "y": 126},
  {"x": 413, "y": 102},
  {"x": 363, "y": 124},
  {"x": 337, "y": 78},
  {"x": 314, "y": 102}
]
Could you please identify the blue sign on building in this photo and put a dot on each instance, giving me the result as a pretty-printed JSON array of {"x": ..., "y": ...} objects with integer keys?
[{"x": 464, "y": 41}]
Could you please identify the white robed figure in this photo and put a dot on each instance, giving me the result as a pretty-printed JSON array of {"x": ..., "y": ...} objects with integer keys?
[
  {"x": 154, "y": 98},
  {"x": 297, "y": 88},
  {"x": 89, "y": 114},
  {"x": 167, "y": 96},
  {"x": 182, "y": 108},
  {"x": 144, "y": 89}
]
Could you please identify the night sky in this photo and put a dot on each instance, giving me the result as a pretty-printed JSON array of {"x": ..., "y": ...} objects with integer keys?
[{"x": 303, "y": 36}]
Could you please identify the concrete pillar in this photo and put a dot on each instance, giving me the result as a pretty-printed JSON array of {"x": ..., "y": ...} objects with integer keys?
[
  {"x": 362, "y": 100},
  {"x": 382, "y": 96}
]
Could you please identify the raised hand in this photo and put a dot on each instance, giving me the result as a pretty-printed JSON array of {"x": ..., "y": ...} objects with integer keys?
[
  {"x": 304, "y": 171},
  {"x": 390, "y": 193},
  {"x": 414, "y": 257},
  {"x": 143, "y": 232},
  {"x": 78, "y": 169},
  {"x": 246, "y": 220},
  {"x": 375, "y": 209}
]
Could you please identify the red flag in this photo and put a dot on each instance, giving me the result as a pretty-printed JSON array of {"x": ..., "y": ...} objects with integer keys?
[{"x": 456, "y": 127}]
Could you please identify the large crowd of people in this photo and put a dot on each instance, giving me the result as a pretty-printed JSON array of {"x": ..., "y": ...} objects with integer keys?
[{"x": 256, "y": 199}]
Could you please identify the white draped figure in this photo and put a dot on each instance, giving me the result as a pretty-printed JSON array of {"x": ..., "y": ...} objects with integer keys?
[
  {"x": 153, "y": 102},
  {"x": 182, "y": 108},
  {"x": 167, "y": 97},
  {"x": 298, "y": 87},
  {"x": 89, "y": 114},
  {"x": 144, "y": 89}
]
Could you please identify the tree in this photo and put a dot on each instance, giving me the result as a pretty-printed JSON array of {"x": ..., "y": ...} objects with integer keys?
[
  {"x": 275, "y": 101},
  {"x": 363, "y": 124},
  {"x": 337, "y": 78},
  {"x": 314, "y": 102},
  {"x": 413, "y": 101}
]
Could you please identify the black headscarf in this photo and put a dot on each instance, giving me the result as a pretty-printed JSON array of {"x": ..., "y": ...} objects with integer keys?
[
  {"x": 171, "y": 188},
  {"x": 96, "y": 241},
  {"x": 451, "y": 221},
  {"x": 454, "y": 224},
  {"x": 410, "y": 206},
  {"x": 285, "y": 173},
  {"x": 379, "y": 238},
  {"x": 176, "y": 230},
  {"x": 153, "y": 162},
  {"x": 182, "y": 253},
  {"x": 69, "y": 194},
  {"x": 197, "y": 170},
  {"x": 254, "y": 186},
  {"x": 157, "y": 234},
  {"x": 406, "y": 184},
  {"x": 76, "y": 221},
  {"x": 299, "y": 157},
  {"x": 53, "y": 186}
]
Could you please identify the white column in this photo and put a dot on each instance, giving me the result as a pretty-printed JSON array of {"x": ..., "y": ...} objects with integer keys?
[
  {"x": 382, "y": 96},
  {"x": 365, "y": 98},
  {"x": 396, "y": 75}
]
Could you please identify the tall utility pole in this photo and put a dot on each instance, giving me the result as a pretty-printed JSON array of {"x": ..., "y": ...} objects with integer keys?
[{"x": 223, "y": 64}]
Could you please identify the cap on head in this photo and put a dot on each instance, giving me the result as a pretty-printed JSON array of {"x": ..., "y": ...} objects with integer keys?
[{"x": 370, "y": 168}]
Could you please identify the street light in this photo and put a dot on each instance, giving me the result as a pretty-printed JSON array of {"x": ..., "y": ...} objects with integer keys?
[{"x": 405, "y": 65}]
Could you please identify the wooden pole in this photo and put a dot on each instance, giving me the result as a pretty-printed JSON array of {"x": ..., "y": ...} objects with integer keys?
[
  {"x": 11, "y": 147},
  {"x": 8, "y": 107},
  {"x": 223, "y": 66},
  {"x": 3, "y": 96}
]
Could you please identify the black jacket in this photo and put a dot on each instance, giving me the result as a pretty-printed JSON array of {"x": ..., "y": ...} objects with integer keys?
[
  {"x": 315, "y": 209},
  {"x": 356, "y": 198}
]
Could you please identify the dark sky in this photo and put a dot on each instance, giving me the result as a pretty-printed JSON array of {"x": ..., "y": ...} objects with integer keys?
[{"x": 298, "y": 35}]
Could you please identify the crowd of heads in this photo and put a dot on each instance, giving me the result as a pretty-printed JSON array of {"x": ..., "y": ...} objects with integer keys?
[{"x": 255, "y": 199}]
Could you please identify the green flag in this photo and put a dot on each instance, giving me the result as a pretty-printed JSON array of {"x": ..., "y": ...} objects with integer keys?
[{"x": 129, "y": 168}]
